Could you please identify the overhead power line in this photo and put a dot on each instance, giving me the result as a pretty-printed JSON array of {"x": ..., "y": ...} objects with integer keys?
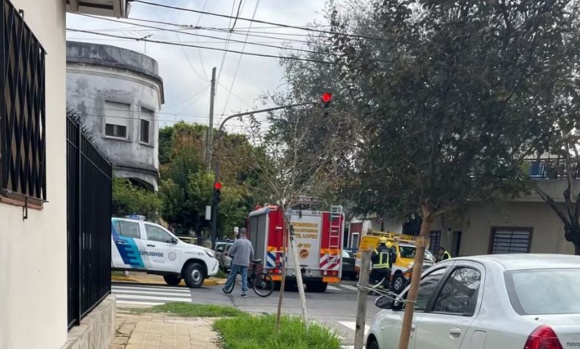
[
  {"x": 195, "y": 27},
  {"x": 259, "y": 21},
  {"x": 213, "y": 37},
  {"x": 239, "y": 60},
  {"x": 197, "y": 46}
]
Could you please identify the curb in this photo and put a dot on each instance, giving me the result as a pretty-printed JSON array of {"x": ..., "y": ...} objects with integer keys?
[{"x": 146, "y": 281}]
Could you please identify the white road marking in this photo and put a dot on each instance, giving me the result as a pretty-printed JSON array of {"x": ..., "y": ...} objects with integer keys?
[
  {"x": 151, "y": 289},
  {"x": 152, "y": 298},
  {"x": 150, "y": 293},
  {"x": 332, "y": 288},
  {"x": 350, "y": 287},
  {"x": 136, "y": 303},
  {"x": 352, "y": 325}
]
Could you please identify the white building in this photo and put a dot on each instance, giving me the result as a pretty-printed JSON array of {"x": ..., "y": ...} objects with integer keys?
[
  {"x": 33, "y": 172},
  {"x": 118, "y": 93}
]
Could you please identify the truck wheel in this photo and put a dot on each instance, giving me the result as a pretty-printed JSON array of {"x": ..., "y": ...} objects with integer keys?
[
  {"x": 398, "y": 283},
  {"x": 172, "y": 280},
  {"x": 194, "y": 275},
  {"x": 277, "y": 285},
  {"x": 316, "y": 286}
]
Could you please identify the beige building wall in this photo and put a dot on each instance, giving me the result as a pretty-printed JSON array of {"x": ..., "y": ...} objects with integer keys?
[
  {"x": 33, "y": 252},
  {"x": 481, "y": 219}
]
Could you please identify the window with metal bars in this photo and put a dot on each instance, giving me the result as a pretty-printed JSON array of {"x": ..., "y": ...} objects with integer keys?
[
  {"x": 435, "y": 241},
  {"x": 510, "y": 240},
  {"x": 22, "y": 109}
]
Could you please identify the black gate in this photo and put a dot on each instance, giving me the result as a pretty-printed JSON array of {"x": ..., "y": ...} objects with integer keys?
[{"x": 89, "y": 185}]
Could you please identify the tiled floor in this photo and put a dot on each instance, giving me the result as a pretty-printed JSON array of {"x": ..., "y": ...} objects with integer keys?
[{"x": 164, "y": 332}]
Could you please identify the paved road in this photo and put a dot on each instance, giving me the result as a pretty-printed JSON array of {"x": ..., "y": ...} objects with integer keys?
[{"x": 335, "y": 308}]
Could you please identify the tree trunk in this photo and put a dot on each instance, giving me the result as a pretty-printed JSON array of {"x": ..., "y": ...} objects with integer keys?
[
  {"x": 283, "y": 282},
  {"x": 298, "y": 273},
  {"x": 420, "y": 245}
]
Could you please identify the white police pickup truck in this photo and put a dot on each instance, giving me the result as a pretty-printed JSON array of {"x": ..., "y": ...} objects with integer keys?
[{"x": 143, "y": 246}]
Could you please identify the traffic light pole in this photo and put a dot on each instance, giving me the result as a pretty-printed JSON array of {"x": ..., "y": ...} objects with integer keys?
[{"x": 215, "y": 206}]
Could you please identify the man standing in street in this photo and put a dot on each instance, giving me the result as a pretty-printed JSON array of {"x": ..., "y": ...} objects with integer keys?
[{"x": 240, "y": 252}]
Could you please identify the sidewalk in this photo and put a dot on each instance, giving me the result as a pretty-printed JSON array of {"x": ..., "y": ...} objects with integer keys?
[
  {"x": 144, "y": 278},
  {"x": 158, "y": 331}
]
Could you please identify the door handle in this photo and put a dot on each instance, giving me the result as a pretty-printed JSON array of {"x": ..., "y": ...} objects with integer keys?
[
  {"x": 120, "y": 242},
  {"x": 455, "y": 332},
  {"x": 149, "y": 245}
]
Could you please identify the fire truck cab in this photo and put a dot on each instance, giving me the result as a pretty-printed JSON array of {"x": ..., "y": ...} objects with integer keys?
[{"x": 318, "y": 239}]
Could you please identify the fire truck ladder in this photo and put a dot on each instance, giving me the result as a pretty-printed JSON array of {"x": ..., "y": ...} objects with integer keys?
[{"x": 335, "y": 242}]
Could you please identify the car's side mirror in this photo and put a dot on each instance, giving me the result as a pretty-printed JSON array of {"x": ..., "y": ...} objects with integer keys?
[
  {"x": 384, "y": 302},
  {"x": 174, "y": 240},
  {"x": 397, "y": 305}
]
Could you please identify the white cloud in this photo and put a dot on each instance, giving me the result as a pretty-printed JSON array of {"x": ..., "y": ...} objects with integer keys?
[{"x": 255, "y": 76}]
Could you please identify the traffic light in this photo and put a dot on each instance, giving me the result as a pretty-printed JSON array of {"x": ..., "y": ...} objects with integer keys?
[
  {"x": 217, "y": 187},
  {"x": 326, "y": 98}
]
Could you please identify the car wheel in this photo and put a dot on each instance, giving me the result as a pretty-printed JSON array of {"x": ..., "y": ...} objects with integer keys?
[
  {"x": 398, "y": 283},
  {"x": 194, "y": 275},
  {"x": 373, "y": 345},
  {"x": 172, "y": 280}
]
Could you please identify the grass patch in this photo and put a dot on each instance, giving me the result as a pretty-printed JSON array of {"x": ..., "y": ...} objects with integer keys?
[
  {"x": 258, "y": 332},
  {"x": 192, "y": 310}
]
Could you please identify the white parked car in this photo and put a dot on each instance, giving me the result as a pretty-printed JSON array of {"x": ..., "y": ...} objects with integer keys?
[
  {"x": 148, "y": 247},
  {"x": 515, "y": 301}
]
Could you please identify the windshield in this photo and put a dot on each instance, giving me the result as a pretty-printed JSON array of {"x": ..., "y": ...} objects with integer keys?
[
  {"x": 409, "y": 252},
  {"x": 546, "y": 291}
]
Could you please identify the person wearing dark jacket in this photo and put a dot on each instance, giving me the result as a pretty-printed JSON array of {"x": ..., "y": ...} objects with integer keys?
[
  {"x": 443, "y": 254},
  {"x": 383, "y": 258}
]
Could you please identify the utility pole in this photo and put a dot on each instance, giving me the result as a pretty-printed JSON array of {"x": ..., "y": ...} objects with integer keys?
[{"x": 209, "y": 143}]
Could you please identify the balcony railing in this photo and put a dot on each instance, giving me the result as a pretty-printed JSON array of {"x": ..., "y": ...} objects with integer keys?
[
  {"x": 551, "y": 168},
  {"x": 22, "y": 109}
]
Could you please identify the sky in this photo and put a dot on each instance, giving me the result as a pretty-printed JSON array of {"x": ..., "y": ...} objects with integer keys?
[{"x": 186, "y": 71}]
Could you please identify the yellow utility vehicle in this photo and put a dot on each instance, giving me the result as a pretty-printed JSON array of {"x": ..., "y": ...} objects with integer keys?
[{"x": 405, "y": 249}]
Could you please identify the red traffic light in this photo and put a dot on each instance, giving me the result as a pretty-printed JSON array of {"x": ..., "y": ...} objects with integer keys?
[
  {"x": 217, "y": 186},
  {"x": 326, "y": 97}
]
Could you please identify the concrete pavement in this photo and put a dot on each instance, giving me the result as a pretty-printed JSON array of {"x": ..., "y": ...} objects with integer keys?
[{"x": 164, "y": 332}]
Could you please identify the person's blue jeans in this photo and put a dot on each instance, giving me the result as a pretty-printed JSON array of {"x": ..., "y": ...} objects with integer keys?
[{"x": 232, "y": 277}]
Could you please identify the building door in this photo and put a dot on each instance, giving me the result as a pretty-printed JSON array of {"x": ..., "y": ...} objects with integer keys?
[
  {"x": 354, "y": 241},
  {"x": 455, "y": 243}
]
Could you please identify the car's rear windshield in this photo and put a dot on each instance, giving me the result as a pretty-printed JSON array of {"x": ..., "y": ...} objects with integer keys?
[{"x": 545, "y": 291}]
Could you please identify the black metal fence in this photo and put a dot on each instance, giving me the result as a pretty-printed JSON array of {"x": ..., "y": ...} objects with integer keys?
[
  {"x": 89, "y": 185},
  {"x": 22, "y": 109}
]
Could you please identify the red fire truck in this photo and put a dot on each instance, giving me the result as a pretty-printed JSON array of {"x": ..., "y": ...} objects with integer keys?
[{"x": 318, "y": 239}]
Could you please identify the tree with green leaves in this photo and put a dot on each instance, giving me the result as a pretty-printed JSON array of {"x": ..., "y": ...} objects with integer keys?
[
  {"x": 129, "y": 199},
  {"x": 560, "y": 98},
  {"x": 186, "y": 186},
  {"x": 448, "y": 93}
]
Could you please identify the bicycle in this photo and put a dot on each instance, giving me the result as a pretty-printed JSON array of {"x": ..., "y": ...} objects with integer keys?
[{"x": 258, "y": 280}]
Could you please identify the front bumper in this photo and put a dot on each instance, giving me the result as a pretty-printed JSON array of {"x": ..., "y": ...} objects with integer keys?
[{"x": 213, "y": 267}]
